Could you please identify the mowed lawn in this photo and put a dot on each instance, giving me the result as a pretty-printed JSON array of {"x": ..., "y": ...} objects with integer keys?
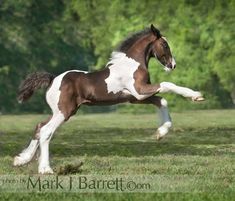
[{"x": 201, "y": 144}]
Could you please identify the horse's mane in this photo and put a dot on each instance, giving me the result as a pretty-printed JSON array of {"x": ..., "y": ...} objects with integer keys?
[{"x": 127, "y": 43}]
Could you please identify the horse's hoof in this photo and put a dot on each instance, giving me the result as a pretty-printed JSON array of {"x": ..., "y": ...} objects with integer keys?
[
  {"x": 198, "y": 99},
  {"x": 45, "y": 170},
  {"x": 158, "y": 136},
  {"x": 19, "y": 161}
]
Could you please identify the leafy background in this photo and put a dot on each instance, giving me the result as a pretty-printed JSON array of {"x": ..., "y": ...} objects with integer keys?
[{"x": 60, "y": 35}]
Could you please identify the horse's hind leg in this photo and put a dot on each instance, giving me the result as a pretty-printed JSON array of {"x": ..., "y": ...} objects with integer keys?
[
  {"x": 27, "y": 154},
  {"x": 68, "y": 105},
  {"x": 161, "y": 103},
  {"x": 45, "y": 135}
]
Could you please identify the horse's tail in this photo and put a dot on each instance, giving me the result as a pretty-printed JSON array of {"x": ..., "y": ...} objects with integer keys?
[{"x": 33, "y": 82}]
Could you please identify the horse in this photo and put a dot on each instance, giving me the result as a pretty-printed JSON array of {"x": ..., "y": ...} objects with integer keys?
[{"x": 124, "y": 79}]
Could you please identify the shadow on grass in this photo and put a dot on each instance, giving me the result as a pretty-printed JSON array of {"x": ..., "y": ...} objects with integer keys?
[{"x": 132, "y": 142}]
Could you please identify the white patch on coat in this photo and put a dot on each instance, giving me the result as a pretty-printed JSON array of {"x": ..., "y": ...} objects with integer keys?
[
  {"x": 122, "y": 71},
  {"x": 183, "y": 91},
  {"x": 121, "y": 77}
]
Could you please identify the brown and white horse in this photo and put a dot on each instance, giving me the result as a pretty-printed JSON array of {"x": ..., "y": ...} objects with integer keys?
[{"x": 124, "y": 79}]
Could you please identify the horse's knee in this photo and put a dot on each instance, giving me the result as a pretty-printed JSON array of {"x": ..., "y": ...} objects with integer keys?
[
  {"x": 38, "y": 128},
  {"x": 37, "y": 131},
  {"x": 45, "y": 133}
]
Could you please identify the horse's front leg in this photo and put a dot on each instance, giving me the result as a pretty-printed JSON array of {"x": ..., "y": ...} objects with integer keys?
[
  {"x": 142, "y": 91},
  {"x": 161, "y": 103},
  {"x": 183, "y": 91}
]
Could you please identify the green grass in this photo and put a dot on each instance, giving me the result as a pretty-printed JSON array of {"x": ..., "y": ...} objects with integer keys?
[{"x": 201, "y": 143}]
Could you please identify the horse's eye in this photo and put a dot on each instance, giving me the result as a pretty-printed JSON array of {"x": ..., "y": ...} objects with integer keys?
[{"x": 165, "y": 45}]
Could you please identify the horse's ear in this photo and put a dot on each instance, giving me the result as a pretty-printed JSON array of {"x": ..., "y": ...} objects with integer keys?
[{"x": 155, "y": 31}]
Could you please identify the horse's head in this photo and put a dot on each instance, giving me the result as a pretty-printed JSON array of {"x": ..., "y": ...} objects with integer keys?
[{"x": 161, "y": 50}]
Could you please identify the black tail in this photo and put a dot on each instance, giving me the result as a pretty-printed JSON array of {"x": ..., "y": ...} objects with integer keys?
[{"x": 33, "y": 82}]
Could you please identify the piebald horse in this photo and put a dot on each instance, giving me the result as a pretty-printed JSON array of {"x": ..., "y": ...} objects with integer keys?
[{"x": 124, "y": 79}]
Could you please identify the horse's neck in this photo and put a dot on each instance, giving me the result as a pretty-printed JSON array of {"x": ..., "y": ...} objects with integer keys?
[
  {"x": 140, "y": 52},
  {"x": 141, "y": 57}
]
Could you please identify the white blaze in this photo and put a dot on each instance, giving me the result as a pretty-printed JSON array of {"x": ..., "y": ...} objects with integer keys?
[{"x": 173, "y": 63}]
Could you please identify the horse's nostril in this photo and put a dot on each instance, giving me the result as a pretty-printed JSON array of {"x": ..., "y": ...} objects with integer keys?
[
  {"x": 174, "y": 66},
  {"x": 169, "y": 65}
]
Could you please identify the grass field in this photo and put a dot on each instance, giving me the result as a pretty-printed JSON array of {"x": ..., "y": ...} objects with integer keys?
[{"x": 201, "y": 143}]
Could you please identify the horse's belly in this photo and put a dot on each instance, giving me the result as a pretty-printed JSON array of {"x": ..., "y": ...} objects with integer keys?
[{"x": 111, "y": 99}]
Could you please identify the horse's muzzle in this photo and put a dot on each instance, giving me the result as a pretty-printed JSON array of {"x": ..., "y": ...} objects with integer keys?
[{"x": 172, "y": 66}]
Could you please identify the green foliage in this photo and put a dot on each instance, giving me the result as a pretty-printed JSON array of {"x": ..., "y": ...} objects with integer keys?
[
  {"x": 36, "y": 36},
  {"x": 59, "y": 35}
]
